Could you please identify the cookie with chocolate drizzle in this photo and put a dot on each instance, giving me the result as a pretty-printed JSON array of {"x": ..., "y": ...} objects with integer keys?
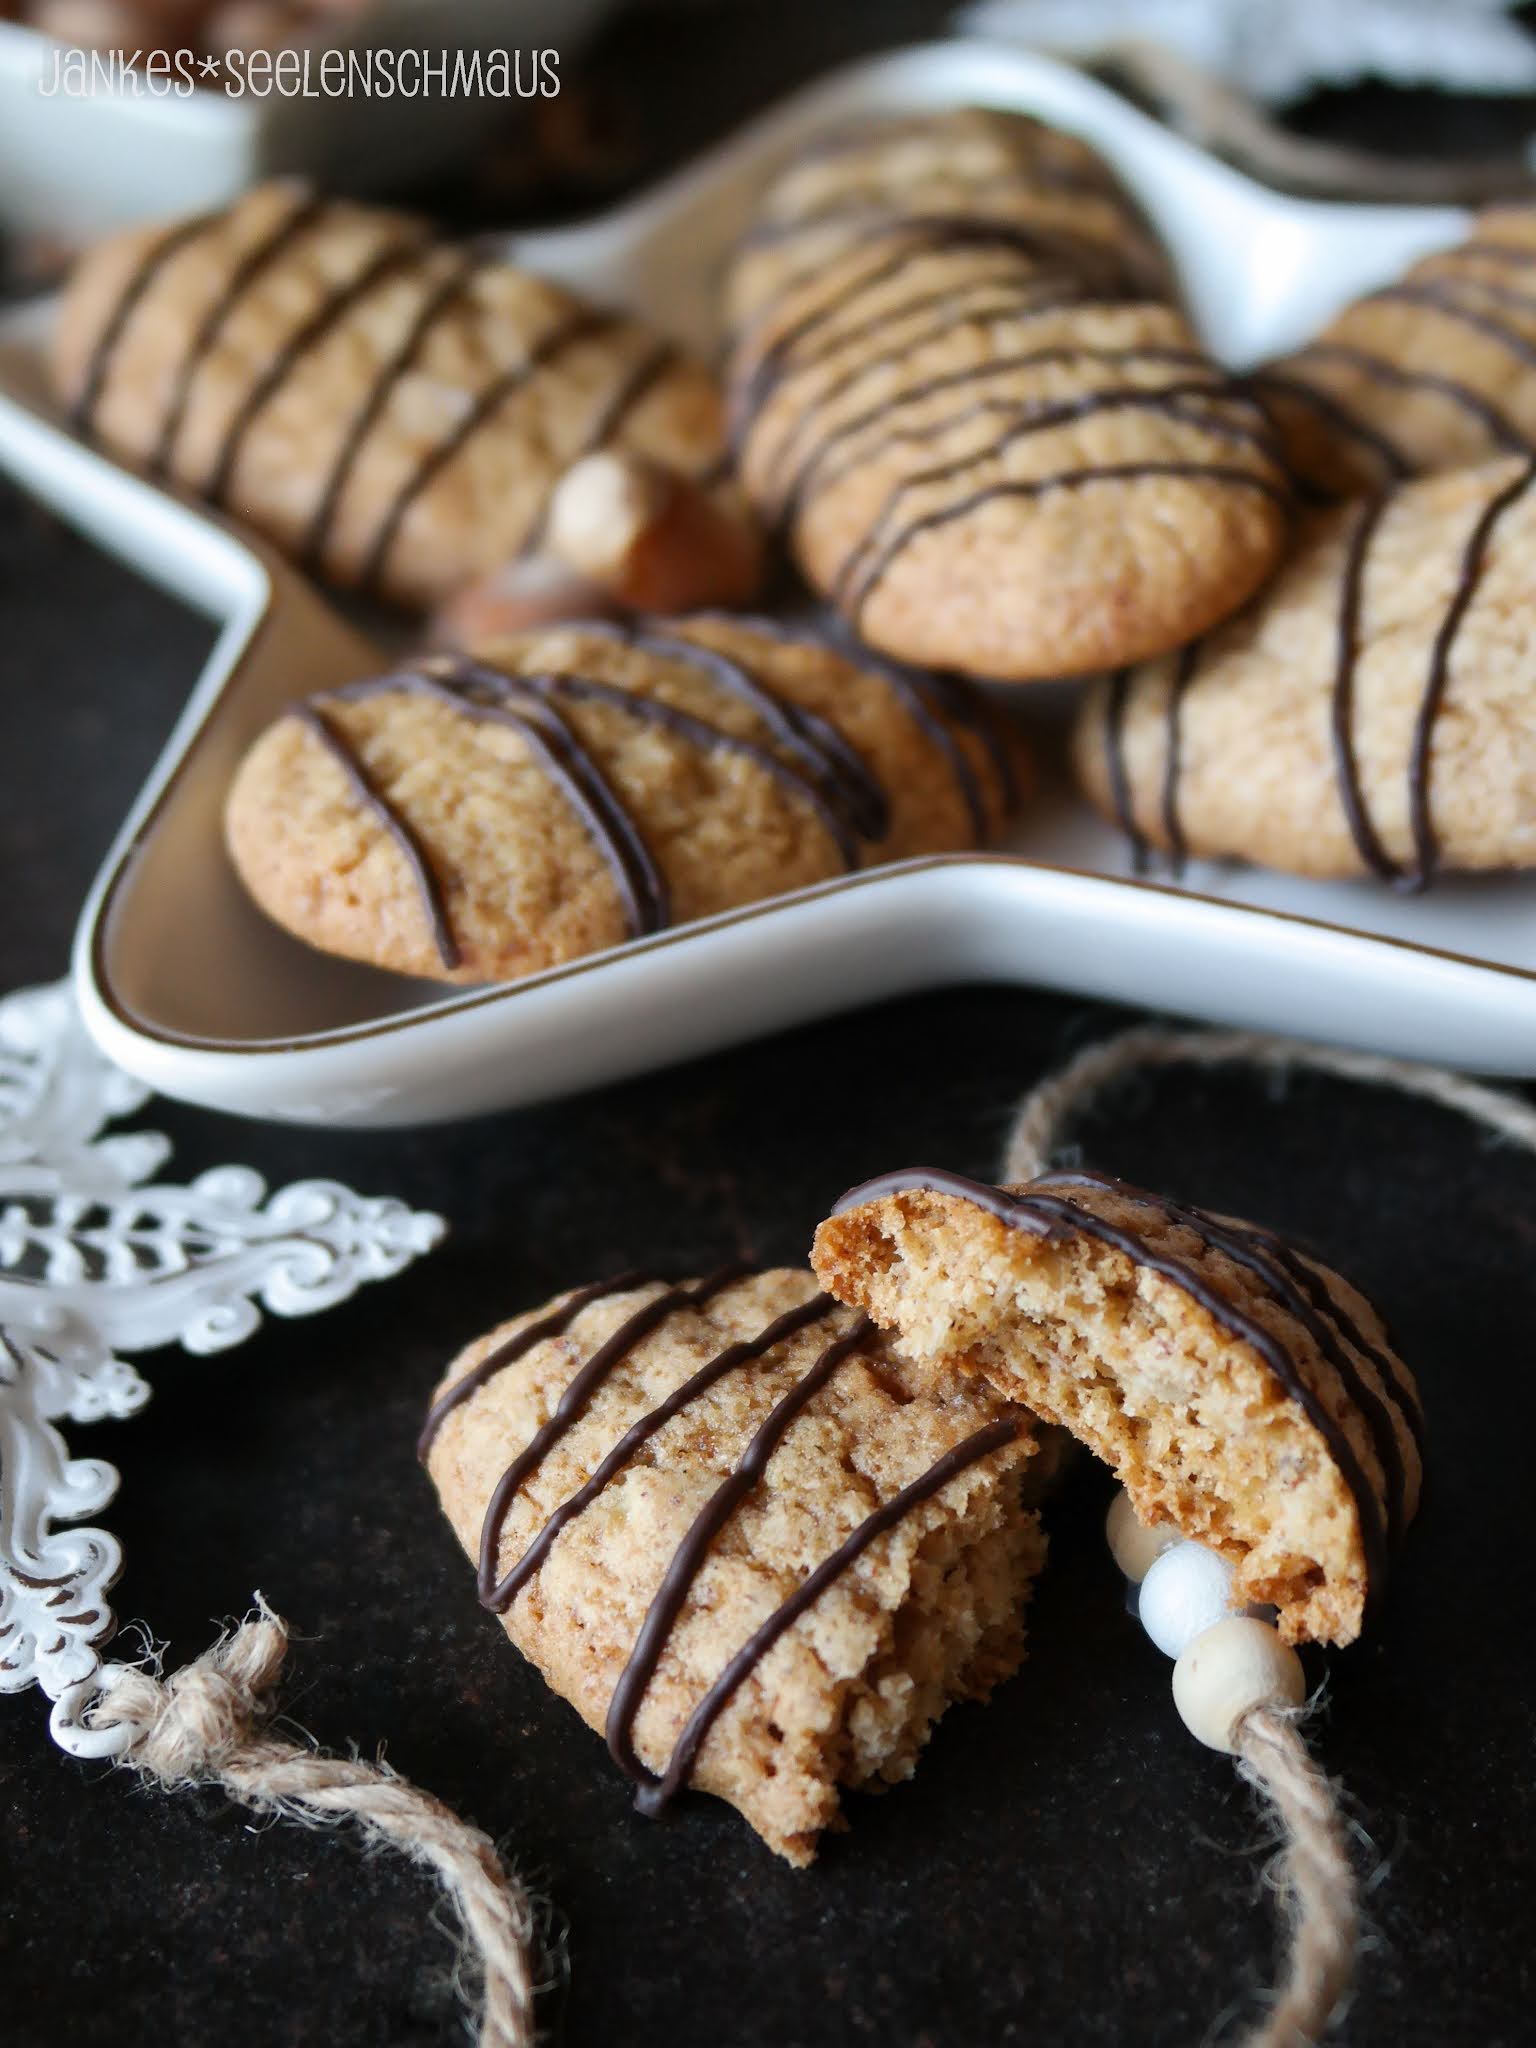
[
  {"x": 1369, "y": 714},
  {"x": 961, "y": 388},
  {"x": 393, "y": 412},
  {"x": 1436, "y": 371},
  {"x": 1241, "y": 1390},
  {"x": 478, "y": 819},
  {"x": 724, "y": 1524}
]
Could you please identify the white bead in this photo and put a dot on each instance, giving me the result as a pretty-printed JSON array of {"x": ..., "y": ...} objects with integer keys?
[
  {"x": 1187, "y": 1589},
  {"x": 1229, "y": 1670},
  {"x": 1136, "y": 1544}
]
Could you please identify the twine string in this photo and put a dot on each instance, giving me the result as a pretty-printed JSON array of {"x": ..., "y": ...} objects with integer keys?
[
  {"x": 1315, "y": 1879},
  {"x": 209, "y": 1724}
]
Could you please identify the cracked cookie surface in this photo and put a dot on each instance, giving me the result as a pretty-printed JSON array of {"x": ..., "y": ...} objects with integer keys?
[{"x": 580, "y": 1452}]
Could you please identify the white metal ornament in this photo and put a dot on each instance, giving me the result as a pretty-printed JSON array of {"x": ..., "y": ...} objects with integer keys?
[{"x": 96, "y": 1258}]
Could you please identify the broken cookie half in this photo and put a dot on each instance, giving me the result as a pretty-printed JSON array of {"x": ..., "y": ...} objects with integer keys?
[
  {"x": 733, "y": 1526},
  {"x": 1241, "y": 1390}
]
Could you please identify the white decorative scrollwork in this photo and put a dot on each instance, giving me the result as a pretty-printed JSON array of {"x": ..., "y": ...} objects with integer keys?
[{"x": 98, "y": 1259}]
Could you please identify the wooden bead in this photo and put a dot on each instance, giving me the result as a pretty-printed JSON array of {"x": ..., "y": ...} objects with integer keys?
[
  {"x": 1136, "y": 1545},
  {"x": 1227, "y": 1671}
]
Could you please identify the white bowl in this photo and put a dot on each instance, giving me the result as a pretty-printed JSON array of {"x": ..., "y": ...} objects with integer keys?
[{"x": 186, "y": 985}]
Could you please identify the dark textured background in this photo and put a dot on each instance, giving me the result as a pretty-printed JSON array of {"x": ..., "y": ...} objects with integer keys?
[{"x": 1067, "y": 1865}]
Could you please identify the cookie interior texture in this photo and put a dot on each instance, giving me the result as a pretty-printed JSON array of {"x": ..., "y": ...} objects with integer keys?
[
  {"x": 929, "y": 1613},
  {"x": 962, "y": 389},
  {"x": 571, "y": 788},
  {"x": 1432, "y": 372},
  {"x": 1369, "y": 713},
  {"x": 391, "y": 410},
  {"x": 1045, "y": 1307}
]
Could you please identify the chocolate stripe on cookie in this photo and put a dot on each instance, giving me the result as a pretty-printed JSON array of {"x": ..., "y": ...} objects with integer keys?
[
  {"x": 655, "y": 1793},
  {"x": 564, "y": 334},
  {"x": 1305, "y": 1297},
  {"x": 1337, "y": 414},
  {"x": 1090, "y": 270},
  {"x": 501, "y": 1356},
  {"x": 678, "y": 1579},
  {"x": 731, "y": 1359},
  {"x": 1032, "y": 298},
  {"x": 1444, "y": 300},
  {"x": 1037, "y": 419},
  {"x": 525, "y": 703},
  {"x": 99, "y": 364},
  {"x": 844, "y": 778},
  {"x": 437, "y": 303},
  {"x": 575, "y": 1401},
  {"x": 1426, "y": 849},
  {"x": 1501, "y": 430},
  {"x": 1114, "y": 761},
  {"x": 815, "y": 474},
  {"x": 397, "y": 826},
  {"x": 1047, "y": 1215},
  {"x": 1173, "y": 754},
  {"x": 386, "y": 264},
  {"x": 933, "y": 703},
  {"x": 860, "y": 575},
  {"x": 257, "y": 260},
  {"x": 1341, "y": 720}
]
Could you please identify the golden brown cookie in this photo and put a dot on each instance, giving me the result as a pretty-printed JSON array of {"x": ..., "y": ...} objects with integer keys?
[
  {"x": 1241, "y": 1390},
  {"x": 724, "y": 1525},
  {"x": 1373, "y": 711},
  {"x": 1434, "y": 372},
  {"x": 393, "y": 412},
  {"x": 477, "y": 820},
  {"x": 960, "y": 386}
]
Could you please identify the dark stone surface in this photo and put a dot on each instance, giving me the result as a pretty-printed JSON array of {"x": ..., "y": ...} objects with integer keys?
[{"x": 1067, "y": 1865}]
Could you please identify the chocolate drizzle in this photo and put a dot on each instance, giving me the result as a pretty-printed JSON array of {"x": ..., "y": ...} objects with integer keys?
[
  {"x": 822, "y": 770},
  {"x": 253, "y": 265},
  {"x": 98, "y": 367},
  {"x": 1046, "y": 1208},
  {"x": 934, "y": 703},
  {"x": 444, "y": 295},
  {"x": 397, "y": 827},
  {"x": 1116, "y": 702},
  {"x": 565, "y": 334},
  {"x": 1420, "y": 872},
  {"x": 677, "y": 1583},
  {"x": 1173, "y": 754},
  {"x": 814, "y": 472},
  {"x": 528, "y": 704},
  {"x": 387, "y": 263},
  {"x": 860, "y": 574},
  {"x": 832, "y": 358},
  {"x": 1426, "y": 852},
  {"x": 496, "y": 1360},
  {"x": 572, "y": 1405},
  {"x": 1345, "y": 759},
  {"x": 655, "y": 1793},
  {"x": 688, "y": 1560},
  {"x": 841, "y": 779}
]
